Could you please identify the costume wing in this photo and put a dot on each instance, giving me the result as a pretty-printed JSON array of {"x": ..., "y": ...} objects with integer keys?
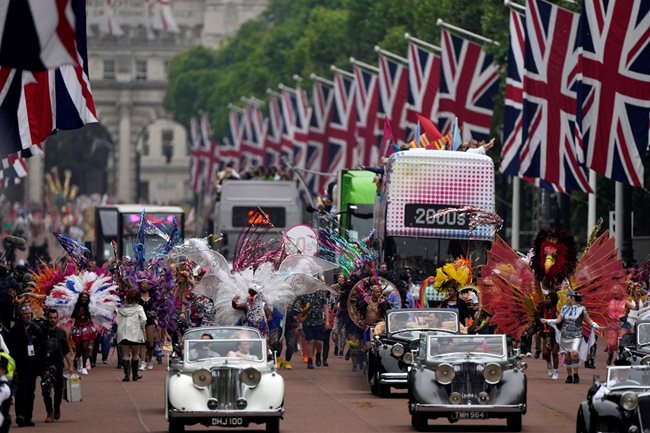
[
  {"x": 103, "y": 300},
  {"x": 598, "y": 275},
  {"x": 215, "y": 265},
  {"x": 508, "y": 290},
  {"x": 63, "y": 297}
]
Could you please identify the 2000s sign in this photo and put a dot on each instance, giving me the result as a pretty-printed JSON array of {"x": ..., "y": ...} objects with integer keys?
[{"x": 424, "y": 215}]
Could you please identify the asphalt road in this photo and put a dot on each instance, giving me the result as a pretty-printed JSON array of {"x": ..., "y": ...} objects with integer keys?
[{"x": 332, "y": 399}]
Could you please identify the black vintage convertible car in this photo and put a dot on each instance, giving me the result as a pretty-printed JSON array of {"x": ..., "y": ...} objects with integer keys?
[
  {"x": 392, "y": 348},
  {"x": 466, "y": 377},
  {"x": 619, "y": 404},
  {"x": 634, "y": 348}
]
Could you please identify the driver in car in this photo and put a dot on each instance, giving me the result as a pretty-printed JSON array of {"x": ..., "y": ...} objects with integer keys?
[
  {"x": 619, "y": 377},
  {"x": 203, "y": 350}
]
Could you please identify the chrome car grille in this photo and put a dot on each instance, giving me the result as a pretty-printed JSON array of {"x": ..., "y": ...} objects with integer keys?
[
  {"x": 226, "y": 386},
  {"x": 468, "y": 381},
  {"x": 644, "y": 413}
]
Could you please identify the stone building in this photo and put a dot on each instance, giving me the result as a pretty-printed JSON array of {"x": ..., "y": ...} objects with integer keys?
[{"x": 128, "y": 73}]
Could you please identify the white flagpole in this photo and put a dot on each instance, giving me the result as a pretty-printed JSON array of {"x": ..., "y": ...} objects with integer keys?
[
  {"x": 514, "y": 6},
  {"x": 321, "y": 79},
  {"x": 516, "y": 215},
  {"x": 363, "y": 65},
  {"x": 424, "y": 44},
  {"x": 462, "y": 31},
  {"x": 618, "y": 218},
  {"x": 341, "y": 71},
  {"x": 591, "y": 206},
  {"x": 393, "y": 56}
]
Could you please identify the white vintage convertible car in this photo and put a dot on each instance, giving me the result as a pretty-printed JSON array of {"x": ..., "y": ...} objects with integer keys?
[{"x": 224, "y": 378}]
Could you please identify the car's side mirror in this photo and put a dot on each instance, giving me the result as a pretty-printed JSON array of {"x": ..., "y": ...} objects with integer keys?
[
  {"x": 175, "y": 364},
  {"x": 178, "y": 349}
]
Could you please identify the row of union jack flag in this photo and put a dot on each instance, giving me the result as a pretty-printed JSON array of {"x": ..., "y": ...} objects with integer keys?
[
  {"x": 578, "y": 93},
  {"x": 339, "y": 123}
]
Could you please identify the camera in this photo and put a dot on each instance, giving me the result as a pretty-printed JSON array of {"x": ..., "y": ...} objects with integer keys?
[{"x": 13, "y": 243}]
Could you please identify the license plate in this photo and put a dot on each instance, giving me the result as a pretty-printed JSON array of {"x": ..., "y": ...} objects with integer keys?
[
  {"x": 469, "y": 415},
  {"x": 227, "y": 422}
]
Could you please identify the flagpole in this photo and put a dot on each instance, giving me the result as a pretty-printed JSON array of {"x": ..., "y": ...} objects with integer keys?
[
  {"x": 287, "y": 88},
  {"x": 252, "y": 101},
  {"x": 516, "y": 213},
  {"x": 514, "y": 6},
  {"x": 234, "y": 107},
  {"x": 591, "y": 206},
  {"x": 393, "y": 56},
  {"x": 315, "y": 77},
  {"x": 341, "y": 71},
  {"x": 363, "y": 65},
  {"x": 410, "y": 38},
  {"x": 462, "y": 31},
  {"x": 618, "y": 218},
  {"x": 272, "y": 92}
]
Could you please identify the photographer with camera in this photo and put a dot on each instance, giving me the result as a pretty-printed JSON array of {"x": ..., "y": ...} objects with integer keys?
[{"x": 9, "y": 288}]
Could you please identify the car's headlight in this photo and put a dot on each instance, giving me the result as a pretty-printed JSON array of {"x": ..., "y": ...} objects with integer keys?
[
  {"x": 407, "y": 358},
  {"x": 645, "y": 360},
  {"x": 251, "y": 376},
  {"x": 629, "y": 401},
  {"x": 202, "y": 378},
  {"x": 445, "y": 374},
  {"x": 493, "y": 373},
  {"x": 397, "y": 350}
]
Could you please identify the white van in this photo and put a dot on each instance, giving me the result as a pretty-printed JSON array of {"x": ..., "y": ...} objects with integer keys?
[{"x": 241, "y": 201}]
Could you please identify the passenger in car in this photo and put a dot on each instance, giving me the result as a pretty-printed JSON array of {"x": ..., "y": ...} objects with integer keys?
[{"x": 243, "y": 351}]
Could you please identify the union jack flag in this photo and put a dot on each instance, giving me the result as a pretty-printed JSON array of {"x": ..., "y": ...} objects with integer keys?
[
  {"x": 550, "y": 81},
  {"x": 109, "y": 25},
  {"x": 274, "y": 132},
  {"x": 512, "y": 115},
  {"x": 393, "y": 92},
  {"x": 367, "y": 101},
  {"x": 424, "y": 80},
  {"x": 36, "y": 35},
  {"x": 614, "y": 91},
  {"x": 14, "y": 167},
  {"x": 33, "y": 104},
  {"x": 469, "y": 81},
  {"x": 234, "y": 140},
  {"x": 323, "y": 97},
  {"x": 254, "y": 134},
  {"x": 288, "y": 124},
  {"x": 339, "y": 152},
  {"x": 204, "y": 155},
  {"x": 301, "y": 129}
]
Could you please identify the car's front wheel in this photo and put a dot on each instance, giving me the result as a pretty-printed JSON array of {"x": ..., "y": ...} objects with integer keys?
[
  {"x": 514, "y": 422},
  {"x": 419, "y": 421},
  {"x": 176, "y": 426},
  {"x": 273, "y": 425}
]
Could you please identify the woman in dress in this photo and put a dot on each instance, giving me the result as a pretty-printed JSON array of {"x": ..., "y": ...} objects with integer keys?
[{"x": 84, "y": 331}]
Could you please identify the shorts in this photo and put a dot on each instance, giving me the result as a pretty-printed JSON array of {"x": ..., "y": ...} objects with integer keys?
[{"x": 315, "y": 332}]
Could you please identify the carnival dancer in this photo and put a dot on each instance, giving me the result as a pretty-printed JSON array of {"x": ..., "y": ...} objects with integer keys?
[
  {"x": 151, "y": 331},
  {"x": 570, "y": 337},
  {"x": 550, "y": 346},
  {"x": 258, "y": 313},
  {"x": 617, "y": 309}
]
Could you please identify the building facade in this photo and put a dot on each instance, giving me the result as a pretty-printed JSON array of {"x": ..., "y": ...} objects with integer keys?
[{"x": 128, "y": 60}]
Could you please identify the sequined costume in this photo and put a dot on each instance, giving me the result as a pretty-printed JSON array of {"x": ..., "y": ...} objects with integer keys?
[{"x": 571, "y": 332}]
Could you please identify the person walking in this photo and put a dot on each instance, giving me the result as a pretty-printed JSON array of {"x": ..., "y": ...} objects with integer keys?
[
  {"x": 313, "y": 324},
  {"x": 571, "y": 316},
  {"x": 131, "y": 320},
  {"x": 83, "y": 332},
  {"x": 26, "y": 346},
  {"x": 56, "y": 351}
]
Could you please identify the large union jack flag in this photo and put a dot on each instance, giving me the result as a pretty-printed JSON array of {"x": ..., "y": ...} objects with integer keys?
[
  {"x": 204, "y": 155},
  {"x": 339, "y": 152},
  {"x": 33, "y": 104},
  {"x": 301, "y": 129},
  {"x": 367, "y": 102},
  {"x": 273, "y": 132},
  {"x": 323, "y": 97},
  {"x": 512, "y": 115},
  {"x": 254, "y": 134},
  {"x": 469, "y": 81},
  {"x": 550, "y": 83},
  {"x": 393, "y": 94},
  {"x": 614, "y": 91},
  {"x": 233, "y": 143},
  {"x": 289, "y": 114},
  {"x": 424, "y": 80}
]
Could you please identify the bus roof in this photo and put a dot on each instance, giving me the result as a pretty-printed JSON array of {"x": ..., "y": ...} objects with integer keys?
[{"x": 137, "y": 208}]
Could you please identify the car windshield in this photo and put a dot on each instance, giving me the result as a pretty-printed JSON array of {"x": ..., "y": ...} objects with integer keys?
[
  {"x": 422, "y": 319},
  {"x": 628, "y": 377},
  {"x": 491, "y": 345},
  {"x": 224, "y": 333},
  {"x": 235, "y": 349},
  {"x": 643, "y": 334}
]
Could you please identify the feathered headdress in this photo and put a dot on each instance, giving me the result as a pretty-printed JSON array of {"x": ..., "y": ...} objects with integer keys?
[
  {"x": 458, "y": 271},
  {"x": 555, "y": 255}
]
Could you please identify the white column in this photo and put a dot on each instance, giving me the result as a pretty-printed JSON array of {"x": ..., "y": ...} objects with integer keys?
[
  {"x": 618, "y": 218},
  {"x": 516, "y": 208},
  {"x": 35, "y": 179},
  {"x": 591, "y": 206},
  {"x": 125, "y": 166}
]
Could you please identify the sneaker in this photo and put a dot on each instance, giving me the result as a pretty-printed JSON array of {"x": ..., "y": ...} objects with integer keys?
[
  {"x": 29, "y": 423},
  {"x": 529, "y": 355},
  {"x": 576, "y": 378},
  {"x": 57, "y": 414},
  {"x": 84, "y": 371},
  {"x": 310, "y": 364},
  {"x": 318, "y": 360},
  {"x": 305, "y": 359},
  {"x": 569, "y": 379},
  {"x": 549, "y": 368},
  {"x": 49, "y": 419},
  {"x": 150, "y": 365},
  {"x": 336, "y": 351},
  {"x": 325, "y": 364},
  {"x": 143, "y": 365},
  {"x": 105, "y": 362},
  {"x": 278, "y": 363},
  {"x": 287, "y": 365},
  {"x": 88, "y": 364},
  {"x": 555, "y": 376}
]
